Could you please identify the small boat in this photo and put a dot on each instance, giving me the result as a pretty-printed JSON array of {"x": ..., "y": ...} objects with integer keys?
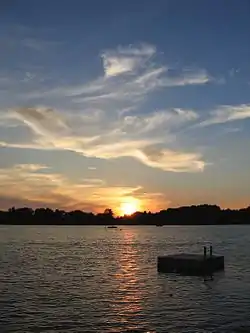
[{"x": 112, "y": 226}]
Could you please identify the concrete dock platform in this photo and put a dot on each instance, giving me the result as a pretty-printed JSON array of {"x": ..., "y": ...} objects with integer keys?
[{"x": 191, "y": 264}]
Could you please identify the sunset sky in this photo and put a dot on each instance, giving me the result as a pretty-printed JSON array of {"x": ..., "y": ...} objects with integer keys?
[{"x": 113, "y": 103}]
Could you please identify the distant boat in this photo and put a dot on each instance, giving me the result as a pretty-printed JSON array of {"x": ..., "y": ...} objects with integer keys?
[
  {"x": 112, "y": 226},
  {"x": 159, "y": 225}
]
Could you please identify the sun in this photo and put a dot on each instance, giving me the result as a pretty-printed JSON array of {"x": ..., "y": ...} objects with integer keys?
[{"x": 129, "y": 207}]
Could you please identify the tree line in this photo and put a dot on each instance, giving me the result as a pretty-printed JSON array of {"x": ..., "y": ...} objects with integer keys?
[{"x": 189, "y": 215}]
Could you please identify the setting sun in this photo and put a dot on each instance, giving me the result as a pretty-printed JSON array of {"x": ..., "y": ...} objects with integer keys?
[{"x": 129, "y": 207}]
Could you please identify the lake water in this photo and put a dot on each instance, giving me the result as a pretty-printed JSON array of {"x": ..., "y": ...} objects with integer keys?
[{"x": 92, "y": 279}]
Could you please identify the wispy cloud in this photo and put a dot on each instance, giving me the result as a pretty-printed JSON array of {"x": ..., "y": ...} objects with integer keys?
[
  {"x": 158, "y": 120},
  {"x": 36, "y": 188},
  {"x": 227, "y": 113},
  {"x": 189, "y": 77},
  {"x": 124, "y": 60},
  {"x": 42, "y": 121},
  {"x": 142, "y": 50},
  {"x": 30, "y": 167},
  {"x": 28, "y": 76},
  {"x": 92, "y": 168},
  {"x": 130, "y": 74},
  {"x": 172, "y": 160},
  {"x": 110, "y": 122},
  {"x": 52, "y": 132}
]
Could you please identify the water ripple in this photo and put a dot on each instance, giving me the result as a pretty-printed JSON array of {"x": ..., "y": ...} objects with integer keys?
[{"x": 83, "y": 279}]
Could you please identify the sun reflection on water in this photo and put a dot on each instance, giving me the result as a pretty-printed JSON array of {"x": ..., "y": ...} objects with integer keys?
[{"x": 128, "y": 298}]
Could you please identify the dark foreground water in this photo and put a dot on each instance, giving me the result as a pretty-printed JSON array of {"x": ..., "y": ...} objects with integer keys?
[{"x": 92, "y": 279}]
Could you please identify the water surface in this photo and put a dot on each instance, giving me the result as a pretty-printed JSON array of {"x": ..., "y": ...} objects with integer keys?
[{"x": 92, "y": 279}]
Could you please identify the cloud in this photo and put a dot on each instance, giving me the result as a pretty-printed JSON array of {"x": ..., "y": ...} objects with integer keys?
[
  {"x": 115, "y": 89},
  {"x": 135, "y": 88},
  {"x": 174, "y": 161},
  {"x": 117, "y": 65},
  {"x": 130, "y": 74},
  {"x": 92, "y": 168},
  {"x": 37, "y": 188},
  {"x": 142, "y": 50},
  {"x": 28, "y": 76},
  {"x": 227, "y": 113},
  {"x": 30, "y": 167},
  {"x": 128, "y": 137},
  {"x": 161, "y": 119},
  {"x": 91, "y": 182},
  {"x": 139, "y": 82},
  {"x": 189, "y": 77},
  {"x": 107, "y": 119},
  {"x": 124, "y": 60},
  {"x": 41, "y": 120}
]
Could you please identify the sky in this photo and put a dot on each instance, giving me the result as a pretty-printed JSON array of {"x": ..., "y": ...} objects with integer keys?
[{"x": 110, "y": 103}]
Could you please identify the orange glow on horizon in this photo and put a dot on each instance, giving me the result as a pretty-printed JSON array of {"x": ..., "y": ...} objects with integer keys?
[{"x": 129, "y": 207}]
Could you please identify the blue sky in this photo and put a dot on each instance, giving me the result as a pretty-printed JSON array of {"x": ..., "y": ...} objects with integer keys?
[{"x": 110, "y": 102}]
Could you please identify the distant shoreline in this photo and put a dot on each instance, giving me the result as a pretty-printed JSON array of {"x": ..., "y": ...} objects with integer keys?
[
  {"x": 183, "y": 216},
  {"x": 119, "y": 225}
]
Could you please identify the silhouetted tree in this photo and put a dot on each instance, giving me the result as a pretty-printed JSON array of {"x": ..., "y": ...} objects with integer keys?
[
  {"x": 108, "y": 211},
  {"x": 201, "y": 214}
]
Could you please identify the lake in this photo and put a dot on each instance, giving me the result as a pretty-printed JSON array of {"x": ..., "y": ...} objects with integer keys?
[{"x": 93, "y": 279}]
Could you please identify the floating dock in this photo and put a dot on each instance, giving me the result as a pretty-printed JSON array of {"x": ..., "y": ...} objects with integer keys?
[{"x": 191, "y": 264}]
